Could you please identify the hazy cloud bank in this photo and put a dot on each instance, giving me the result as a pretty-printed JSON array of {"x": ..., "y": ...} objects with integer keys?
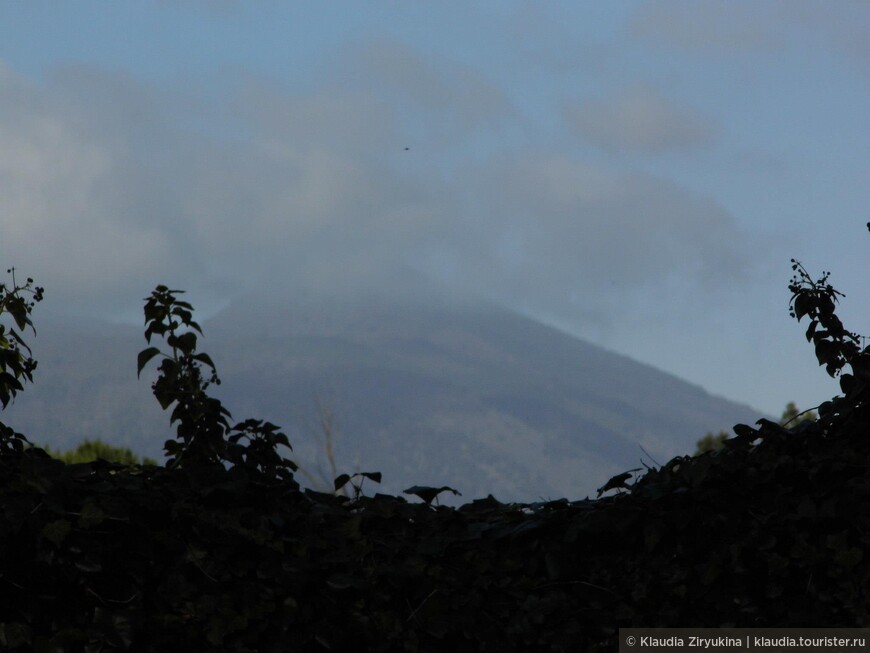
[
  {"x": 109, "y": 192},
  {"x": 639, "y": 120}
]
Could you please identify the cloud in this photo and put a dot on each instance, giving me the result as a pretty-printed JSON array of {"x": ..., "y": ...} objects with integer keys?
[
  {"x": 110, "y": 192},
  {"x": 760, "y": 27},
  {"x": 709, "y": 26},
  {"x": 640, "y": 120},
  {"x": 453, "y": 99},
  {"x": 548, "y": 230},
  {"x": 65, "y": 220}
]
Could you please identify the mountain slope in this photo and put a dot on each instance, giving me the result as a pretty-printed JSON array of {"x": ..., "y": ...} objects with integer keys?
[
  {"x": 477, "y": 397},
  {"x": 427, "y": 391}
]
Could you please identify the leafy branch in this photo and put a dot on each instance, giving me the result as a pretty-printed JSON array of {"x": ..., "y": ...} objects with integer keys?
[
  {"x": 204, "y": 433},
  {"x": 835, "y": 346},
  {"x": 15, "y": 365},
  {"x": 202, "y": 420},
  {"x": 342, "y": 479}
]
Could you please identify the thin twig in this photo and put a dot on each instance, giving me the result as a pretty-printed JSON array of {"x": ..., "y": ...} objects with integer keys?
[
  {"x": 13, "y": 583},
  {"x": 196, "y": 564},
  {"x": 422, "y": 603},
  {"x": 116, "y": 601},
  {"x": 204, "y": 573},
  {"x": 650, "y": 457},
  {"x": 808, "y": 410}
]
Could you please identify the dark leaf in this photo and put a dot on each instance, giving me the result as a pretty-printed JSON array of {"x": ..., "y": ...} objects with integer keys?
[
  {"x": 428, "y": 494},
  {"x": 849, "y": 384},
  {"x": 204, "y": 358},
  {"x": 745, "y": 432},
  {"x": 144, "y": 356},
  {"x": 186, "y": 342},
  {"x": 615, "y": 482},
  {"x": 802, "y": 305},
  {"x": 826, "y": 351},
  {"x": 56, "y": 531},
  {"x": 861, "y": 367}
]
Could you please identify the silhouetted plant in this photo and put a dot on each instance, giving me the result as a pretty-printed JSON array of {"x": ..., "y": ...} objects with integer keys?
[
  {"x": 202, "y": 420},
  {"x": 204, "y": 434},
  {"x": 261, "y": 450},
  {"x": 342, "y": 480},
  {"x": 835, "y": 346},
  {"x": 711, "y": 442},
  {"x": 429, "y": 494},
  {"x": 15, "y": 366},
  {"x": 794, "y": 418},
  {"x": 791, "y": 418}
]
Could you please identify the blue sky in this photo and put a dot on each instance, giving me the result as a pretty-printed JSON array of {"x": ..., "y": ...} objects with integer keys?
[{"x": 636, "y": 173}]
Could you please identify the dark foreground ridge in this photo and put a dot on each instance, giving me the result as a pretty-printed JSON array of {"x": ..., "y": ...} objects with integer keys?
[
  {"x": 204, "y": 558},
  {"x": 221, "y": 551}
]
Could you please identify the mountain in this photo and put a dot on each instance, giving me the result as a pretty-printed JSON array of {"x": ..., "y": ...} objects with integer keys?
[{"x": 426, "y": 390}]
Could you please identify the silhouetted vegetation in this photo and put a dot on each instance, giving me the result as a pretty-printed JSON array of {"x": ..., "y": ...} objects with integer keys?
[
  {"x": 15, "y": 365},
  {"x": 91, "y": 450},
  {"x": 791, "y": 414},
  {"x": 711, "y": 442},
  {"x": 794, "y": 418},
  {"x": 220, "y": 550}
]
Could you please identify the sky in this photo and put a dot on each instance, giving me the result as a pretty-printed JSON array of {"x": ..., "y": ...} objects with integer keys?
[{"x": 638, "y": 174}]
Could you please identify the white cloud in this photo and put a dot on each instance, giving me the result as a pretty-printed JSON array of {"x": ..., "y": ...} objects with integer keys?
[
  {"x": 548, "y": 228},
  {"x": 639, "y": 119},
  {"x": 61, "y": 220},
  {"x": 110, "y": 197}
]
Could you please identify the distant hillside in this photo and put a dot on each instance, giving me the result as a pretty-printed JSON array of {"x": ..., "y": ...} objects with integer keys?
[{"x": 426, "y": 391}]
